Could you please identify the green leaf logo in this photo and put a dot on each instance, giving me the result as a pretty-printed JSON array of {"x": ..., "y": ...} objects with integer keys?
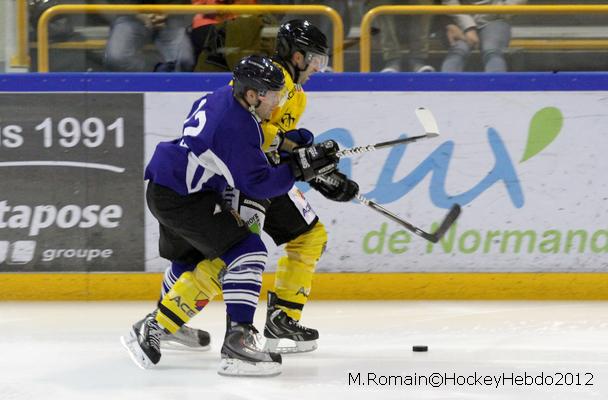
[
  {"x": 255, "y": 228},
  {"x": 544, "y": 128}
]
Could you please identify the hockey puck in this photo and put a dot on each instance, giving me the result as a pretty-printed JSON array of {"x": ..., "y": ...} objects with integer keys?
[{"x": 420, "y": 348}]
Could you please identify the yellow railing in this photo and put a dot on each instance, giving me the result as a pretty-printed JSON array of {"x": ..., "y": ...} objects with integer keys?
[
  {"x": 43, "y": 22},
  {"x": 560, "y": 44},
  {"x": 366, "y": 23},
  {"x": 21, "y": 59}
]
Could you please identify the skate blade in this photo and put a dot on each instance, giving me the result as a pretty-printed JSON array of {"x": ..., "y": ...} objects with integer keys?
[
  {"x": 177, "y": 346},
  {"x": 235, "y": 367},
  {"x": 140, "y": 359},
  {"x": 272, "y": 345}
]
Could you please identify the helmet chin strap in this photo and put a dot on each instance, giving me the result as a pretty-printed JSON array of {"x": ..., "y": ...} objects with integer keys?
[
  {"x": 293, "y": 69},
  {"x": 297, "y": 72},
  {"x": 253, "y": 110}
]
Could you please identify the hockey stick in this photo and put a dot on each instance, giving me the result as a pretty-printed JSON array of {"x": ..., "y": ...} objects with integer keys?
[
  {"x": 434, "y": 237},
  {"x": 426, "y": 119}
]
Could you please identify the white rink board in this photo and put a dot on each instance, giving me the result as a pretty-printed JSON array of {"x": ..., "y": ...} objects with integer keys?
[{"x": 561, "y": 189}]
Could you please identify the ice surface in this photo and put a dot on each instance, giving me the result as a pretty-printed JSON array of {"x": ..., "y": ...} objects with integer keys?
[{"x": 71, "y": 351}]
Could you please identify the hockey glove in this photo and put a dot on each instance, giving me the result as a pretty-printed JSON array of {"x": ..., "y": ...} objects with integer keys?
[
  {"x": 303, "y": 137},
  {"x": 336, "y": 186},
  {"x": 318, "y": 159}
]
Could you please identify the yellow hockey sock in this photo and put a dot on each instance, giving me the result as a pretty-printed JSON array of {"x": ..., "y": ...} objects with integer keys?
[
  {"x": 294, "y": 272},
  {"x": 192, "y": 291}
]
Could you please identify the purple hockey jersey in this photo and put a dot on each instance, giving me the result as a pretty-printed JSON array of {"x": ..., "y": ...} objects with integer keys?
[{"x": 221, "y": 145}]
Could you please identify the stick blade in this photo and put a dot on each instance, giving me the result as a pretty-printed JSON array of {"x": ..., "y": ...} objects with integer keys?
[
  {"x": 447, "y": 223},
  {"x": 428, "y": 121}
]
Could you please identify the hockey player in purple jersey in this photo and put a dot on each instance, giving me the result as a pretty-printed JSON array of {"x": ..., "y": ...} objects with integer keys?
[
  {"x": 289, "y": 219},
  {"x": 221, "y": 145}
]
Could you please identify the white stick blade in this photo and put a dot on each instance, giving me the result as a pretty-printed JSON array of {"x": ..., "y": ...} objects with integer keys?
[{"x": 428, "y": 121}]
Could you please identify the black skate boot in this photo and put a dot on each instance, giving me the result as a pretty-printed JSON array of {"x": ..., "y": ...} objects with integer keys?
[
  {"x": 186, "y": 338},
  {"x": 242, "y": 356},
  {"x": 143, "y": 341},
  {"x": 279, "y": 326}
]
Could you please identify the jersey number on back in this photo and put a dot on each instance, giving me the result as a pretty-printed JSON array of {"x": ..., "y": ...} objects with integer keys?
[{"x": 195, "y": 122}]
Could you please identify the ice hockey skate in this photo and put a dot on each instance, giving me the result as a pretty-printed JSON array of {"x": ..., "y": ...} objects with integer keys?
[
  {"x": 284, "y": 334},
  {"x": 242, "y": 355},
  {"x": 143, "y": 342},
  {"x": 186, "y": 338}
]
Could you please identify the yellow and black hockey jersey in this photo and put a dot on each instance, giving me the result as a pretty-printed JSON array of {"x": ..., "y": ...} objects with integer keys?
[{"x": 287, "y": 115}]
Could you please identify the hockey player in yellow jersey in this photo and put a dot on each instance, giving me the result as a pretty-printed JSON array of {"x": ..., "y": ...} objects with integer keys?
[
  {"x": 289, "y": 219},
  {"x": 301, "y": 51}
]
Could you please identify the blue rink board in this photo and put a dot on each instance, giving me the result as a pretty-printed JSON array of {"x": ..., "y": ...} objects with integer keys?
[{"x": 194, "y": 82}]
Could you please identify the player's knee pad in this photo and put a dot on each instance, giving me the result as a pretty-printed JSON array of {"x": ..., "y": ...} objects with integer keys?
[
  {"x": 309, "y": 246},
  {"x": 189, "y": 295},
  {"x": 293, "y": 279}
]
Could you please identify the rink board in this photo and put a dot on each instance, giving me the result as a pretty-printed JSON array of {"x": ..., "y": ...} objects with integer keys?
[
  {"x": 522, "y": 153},
  {"x": 326, "y": 286}
]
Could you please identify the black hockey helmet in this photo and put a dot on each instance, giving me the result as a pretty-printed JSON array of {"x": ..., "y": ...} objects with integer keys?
[
  {"x": 257, "y": 73},
  {"x": 300, "y": 35}
]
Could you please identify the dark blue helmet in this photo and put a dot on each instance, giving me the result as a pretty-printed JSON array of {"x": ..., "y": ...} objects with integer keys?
[{"x": 257, "y": 73}]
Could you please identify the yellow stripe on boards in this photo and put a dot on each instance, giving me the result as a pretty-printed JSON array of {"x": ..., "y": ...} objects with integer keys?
[{"x": 326, "y": 286}]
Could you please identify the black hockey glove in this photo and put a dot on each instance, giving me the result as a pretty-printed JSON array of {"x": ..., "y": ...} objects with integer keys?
[
  {"x": 318, "y": 159},
  {"x": 336, "y": 186},
  {"x": 301, "y": 137}
]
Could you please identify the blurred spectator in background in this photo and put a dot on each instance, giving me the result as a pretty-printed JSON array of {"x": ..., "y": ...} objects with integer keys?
[
  {"x": 208, "y": 36},
  {"x": 221, "y": 40},
  {"x": 490, "y": 32},
  {"x": 413, "y": 30},
  {"x": 130, "y": 33},
  {"x": 60, "y": 27}
]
